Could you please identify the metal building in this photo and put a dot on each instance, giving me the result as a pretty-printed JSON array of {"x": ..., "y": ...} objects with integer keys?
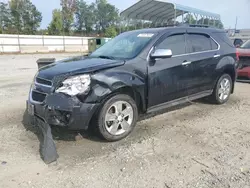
[{"x": 163, "y": 11}]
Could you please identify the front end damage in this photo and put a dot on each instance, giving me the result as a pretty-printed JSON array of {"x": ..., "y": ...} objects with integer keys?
[
  {"x": 54, "y": 99},
  {"x": 49, "y": 108}
]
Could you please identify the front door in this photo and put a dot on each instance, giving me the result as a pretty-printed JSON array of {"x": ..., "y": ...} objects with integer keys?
[{"x": 169, "y": 78}]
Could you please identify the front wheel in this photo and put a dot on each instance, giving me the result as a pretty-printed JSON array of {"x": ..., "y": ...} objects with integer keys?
[
  {"x": 117, "y": 118},
  {"x": 222, "y": 90}
]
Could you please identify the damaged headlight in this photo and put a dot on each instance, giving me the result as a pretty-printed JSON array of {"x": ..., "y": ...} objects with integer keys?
[{"x": 75, "y": 85}]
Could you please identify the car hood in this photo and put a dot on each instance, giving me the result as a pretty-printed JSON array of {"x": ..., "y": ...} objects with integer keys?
[
  {"x": 76, "y": 65},
  {"x": 243, "y": 52}
]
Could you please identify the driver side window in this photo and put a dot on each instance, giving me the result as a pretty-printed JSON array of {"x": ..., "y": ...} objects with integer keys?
[{"x": 176, "y": 43}]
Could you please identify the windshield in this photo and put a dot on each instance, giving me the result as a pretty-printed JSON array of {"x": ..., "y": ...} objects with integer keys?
[
  {"x": 246, "y": 45},
  {"x": 125, "y": 46}
]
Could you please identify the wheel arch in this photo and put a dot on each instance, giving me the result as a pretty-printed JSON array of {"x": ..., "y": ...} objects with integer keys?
[
  {"x": 231, "y": 72},
  {"x": 227, "y": 66},
  {"x": 109, "y": 83},
  {"x": 135, "y": 95}
]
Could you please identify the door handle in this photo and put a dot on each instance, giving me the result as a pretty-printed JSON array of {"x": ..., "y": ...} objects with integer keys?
[
  {"x": 185, "y": 63},
  {"x": 216, "y": 56}
]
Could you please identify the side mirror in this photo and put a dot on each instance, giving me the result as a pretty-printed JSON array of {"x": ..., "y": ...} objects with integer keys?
[{"x": 161, "y": 53}]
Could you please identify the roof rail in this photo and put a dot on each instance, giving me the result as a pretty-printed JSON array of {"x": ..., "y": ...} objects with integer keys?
[
  {"x": 188, "y": 25},
  {"x": 200, "y": 25}
]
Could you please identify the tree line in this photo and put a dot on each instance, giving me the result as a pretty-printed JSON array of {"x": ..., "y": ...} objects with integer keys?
[{"x": 75, "y": 17}]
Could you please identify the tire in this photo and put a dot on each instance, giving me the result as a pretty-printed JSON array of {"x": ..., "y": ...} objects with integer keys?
[
  {"x": 122, "y": 112},
  {"x": 222, "y": 92}
]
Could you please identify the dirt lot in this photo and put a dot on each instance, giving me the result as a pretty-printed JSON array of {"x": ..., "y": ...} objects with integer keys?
[{"x": 199, "y": 145}]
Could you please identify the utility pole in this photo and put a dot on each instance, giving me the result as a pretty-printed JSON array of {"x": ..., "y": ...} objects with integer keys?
[{"x": 236, "y": 23}]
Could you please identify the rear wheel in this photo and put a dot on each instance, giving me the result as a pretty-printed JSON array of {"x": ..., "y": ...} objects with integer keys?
[
  {"x": 222, "y": 90},
  {"x": 117, "y": 118}
]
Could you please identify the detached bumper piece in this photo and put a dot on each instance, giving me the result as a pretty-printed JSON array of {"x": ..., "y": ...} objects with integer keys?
[
  {"x": 62, "y": 111},
  {"x": 47, "y": 145}
]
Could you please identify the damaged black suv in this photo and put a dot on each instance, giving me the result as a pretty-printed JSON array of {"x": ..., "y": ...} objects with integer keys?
[{"x": 137, "y": 72}]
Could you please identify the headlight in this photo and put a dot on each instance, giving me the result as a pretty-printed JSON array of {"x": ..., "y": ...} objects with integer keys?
[{"x": 75, "y": 85}]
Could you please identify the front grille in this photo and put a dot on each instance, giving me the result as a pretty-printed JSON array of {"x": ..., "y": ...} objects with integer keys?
[
  {"x": 43, "y": 81},
  {"x": 38, "y": 97}
]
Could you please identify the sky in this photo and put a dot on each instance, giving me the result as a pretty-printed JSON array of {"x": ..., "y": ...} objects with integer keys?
[{"x": 228, "y": 9}]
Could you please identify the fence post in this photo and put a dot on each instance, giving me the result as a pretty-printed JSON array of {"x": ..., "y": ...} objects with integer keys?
[
  {"x": 64, "y": 43},
  {"x": 19, "y": 45},
  {"x": 43, "y": 39}
]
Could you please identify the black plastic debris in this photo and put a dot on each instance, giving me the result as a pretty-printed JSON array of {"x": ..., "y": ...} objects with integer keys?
[
  {"x": 45, "y": 61},
  {"x": 47, "y": 144}
]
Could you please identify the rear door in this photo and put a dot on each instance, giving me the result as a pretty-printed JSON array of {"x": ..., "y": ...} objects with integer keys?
[{"x": 204, "y": 55}]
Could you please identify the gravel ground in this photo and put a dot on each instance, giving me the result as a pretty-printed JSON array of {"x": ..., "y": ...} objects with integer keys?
[{"x": 199, "y": 145}]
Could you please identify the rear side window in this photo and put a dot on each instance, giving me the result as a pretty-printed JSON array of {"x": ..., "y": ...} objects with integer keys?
[
  {"x": 224, "y": 37},
  {"x": 198, "y": 43},
  {"x": 176, "y": 43},
  {"x": 214, "y": 44}
]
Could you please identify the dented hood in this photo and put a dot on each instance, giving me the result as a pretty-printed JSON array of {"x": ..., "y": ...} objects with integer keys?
[{"x": 77, "y": 65}]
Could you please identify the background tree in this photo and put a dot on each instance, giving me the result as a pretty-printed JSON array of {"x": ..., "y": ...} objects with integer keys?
[
  {"x": 85, "y": 16},
  {"x": 211, "y": 22},
  {"x": 68, "y": 10},
  {"x": 106, "y": 15},
  {"x": 25, "y": 18},
  {"x": 31, "y": 18},
  {"x": 111, "y": 32},
  {"x": 4, "y": 17},
  {"x": 56, "y": 25},
  {"x": 189, "y": 19}
]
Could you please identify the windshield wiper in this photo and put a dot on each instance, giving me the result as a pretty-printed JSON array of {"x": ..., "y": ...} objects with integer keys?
[{"x": 106, "y": 57}]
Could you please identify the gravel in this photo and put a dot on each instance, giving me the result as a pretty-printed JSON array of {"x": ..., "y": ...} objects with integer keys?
[{"x": 199, "y": 145}]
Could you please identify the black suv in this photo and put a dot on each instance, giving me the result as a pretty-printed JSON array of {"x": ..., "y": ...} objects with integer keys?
[{"x": 137, "y": 72}]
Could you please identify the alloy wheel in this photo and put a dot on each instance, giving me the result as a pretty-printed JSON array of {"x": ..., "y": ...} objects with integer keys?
[
  {"x": 224, "y": 89},
  {"x": 119, "y": 118}
]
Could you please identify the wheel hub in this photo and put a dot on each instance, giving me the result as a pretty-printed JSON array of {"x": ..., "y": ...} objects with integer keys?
[{"x": 120, "y": 118}]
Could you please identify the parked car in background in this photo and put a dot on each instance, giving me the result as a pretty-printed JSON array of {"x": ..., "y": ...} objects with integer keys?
[
  {"x": 243, "y": 53},
  {"x": 238, "y": 42},
  {"x": 137, "y": 72}
]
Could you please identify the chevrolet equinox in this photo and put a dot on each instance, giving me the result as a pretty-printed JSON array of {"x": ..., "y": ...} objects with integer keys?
[{"x": 137, "y": 72}]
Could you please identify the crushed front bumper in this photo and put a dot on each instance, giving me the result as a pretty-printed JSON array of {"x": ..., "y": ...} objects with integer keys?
[{"x": 61, "y": 110}]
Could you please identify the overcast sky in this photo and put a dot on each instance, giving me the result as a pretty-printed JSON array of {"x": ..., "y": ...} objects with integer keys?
[{"x": 228, "y": 9}]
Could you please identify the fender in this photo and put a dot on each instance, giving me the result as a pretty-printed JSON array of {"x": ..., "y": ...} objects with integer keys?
[
  {"x": 226, "y": 65},
  {"x": 106, "y": 82}
]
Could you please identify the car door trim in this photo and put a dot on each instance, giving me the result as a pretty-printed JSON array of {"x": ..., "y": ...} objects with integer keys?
[{"x": 179, "y": 101}]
